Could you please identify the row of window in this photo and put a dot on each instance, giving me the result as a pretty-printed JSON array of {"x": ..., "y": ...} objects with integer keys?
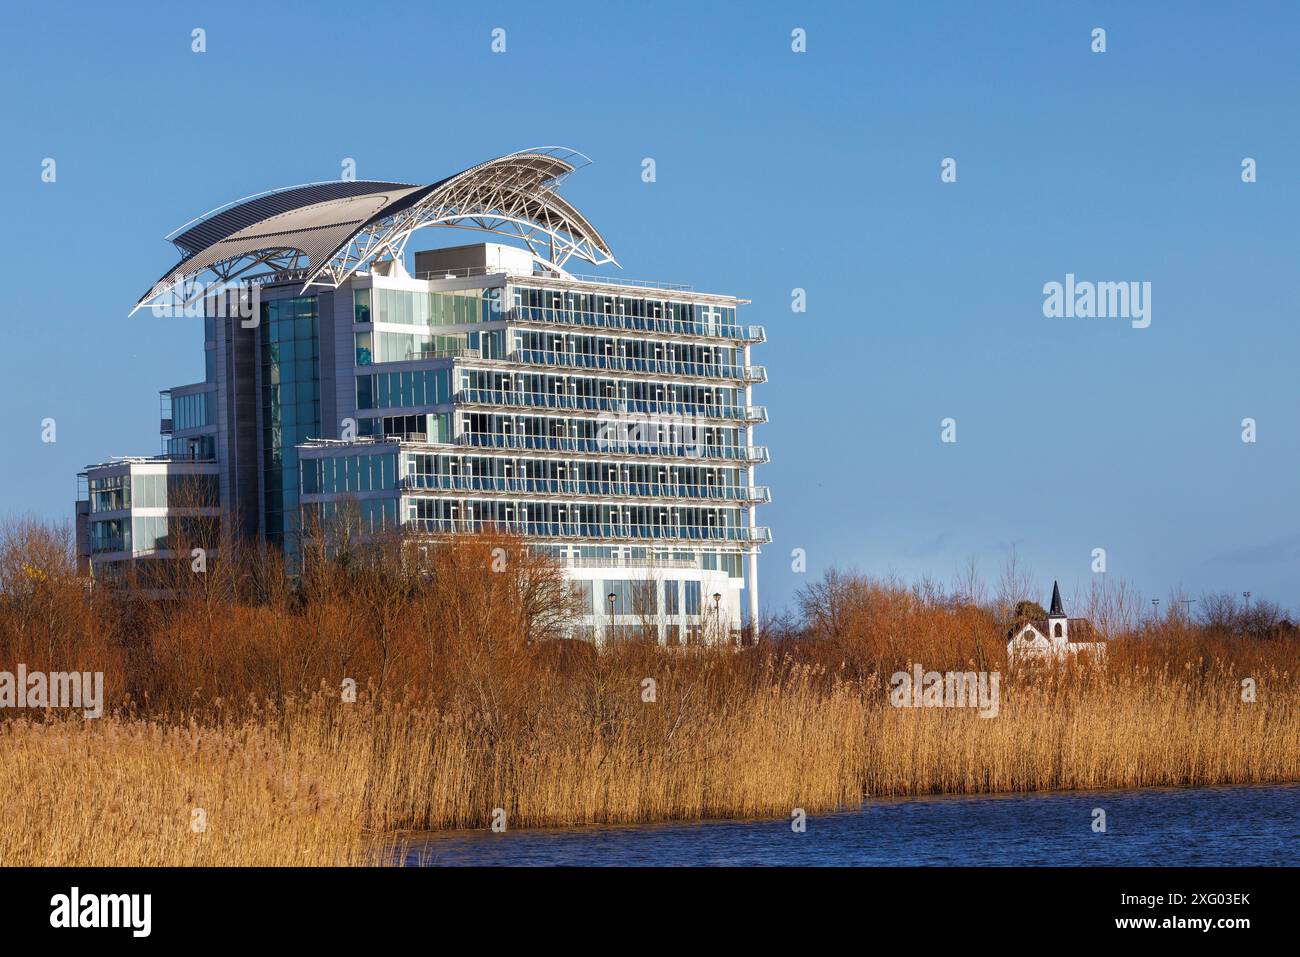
[
  {"x": 375, "y": 515},
  {"x": 422, "y": 427},
  {"x": 685, "y": 318},
  {"x": 192, "y": 411},
  {"x": 709, "y": 560},
  {"x": 193, "y": 447},
  {"x": 463, "y": 306},
  {"x": 447, "y": 308},
  {"x": 631, "y": 435},
  {"x": 621, "y": 478},
  {"x": 582, "y": 520},
  {"x": 114, "y": 492},
  {"x": 373, "y": 347},
  {"x": 349, "y": 473},
  {"x": 590, "y": 392},
  {"x": 639, "y": 354},
  {"x": 638, "y": 596},
  {"x": 143, "y": 534},
  {"x": 387, "y": 390}
]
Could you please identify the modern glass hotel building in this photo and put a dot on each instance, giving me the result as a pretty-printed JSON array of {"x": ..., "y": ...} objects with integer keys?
[{"x": 484, "y": 387}]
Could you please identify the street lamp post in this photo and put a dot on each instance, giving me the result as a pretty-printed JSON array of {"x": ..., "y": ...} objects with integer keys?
[
  {"x": 613, "y": 599},
  {"x": 717, "y": 615}
]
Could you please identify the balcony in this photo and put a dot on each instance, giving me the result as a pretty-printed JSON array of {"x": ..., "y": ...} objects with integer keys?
[
  {"x": 624, "y": 561},
  {"x": 671, "y": 367},
  {"x": 589, "y": 403},
  {"x": 166, "y": 423},
  {"x": 455, "y": 352},
  {"x": 621, "y": 322},
  {"x": 602, "y": 446},
  {"x": 597, "y": 530},
  {"x": 613, "y": 488}
]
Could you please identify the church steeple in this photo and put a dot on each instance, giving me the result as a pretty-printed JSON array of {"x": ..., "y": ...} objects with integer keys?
[{"x": 1057, "y": 611}]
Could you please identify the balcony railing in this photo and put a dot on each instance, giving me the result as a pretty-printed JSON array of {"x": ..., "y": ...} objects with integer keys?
[
  {"x": 589, "y": 403},
  {"x": 453, "y": 352},
  {"x": 624, "y": 561},
  {"x": 632, "y": 283},
  {"x": 597, "y": 530},
  {"x": 621, "y": 322},
  {"x": 612, "y": 446},
  {"x": 755, "y": 494},
  {"x": 593, "y": 360}
]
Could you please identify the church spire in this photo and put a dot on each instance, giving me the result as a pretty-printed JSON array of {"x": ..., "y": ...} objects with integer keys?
[{"x": 1057, "y": 611}]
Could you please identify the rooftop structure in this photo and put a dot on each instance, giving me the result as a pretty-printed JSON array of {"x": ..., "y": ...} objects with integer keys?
[{"x": 329, "y": 230}]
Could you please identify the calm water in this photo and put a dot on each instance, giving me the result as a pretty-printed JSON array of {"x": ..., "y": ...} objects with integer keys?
[{"x": 1221, "y": 826}]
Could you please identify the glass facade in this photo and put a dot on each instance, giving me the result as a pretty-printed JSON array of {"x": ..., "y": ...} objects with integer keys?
[
  {"x": 599, "y": 393},
  {"x": 612, "y": 430},
  {"x": 110, "y": 535},
  {"x": 193, "y": 411},
  {"x": 373, "y": 347},
  {"x": 195, "y": 447},
  {"x": 176, "y": 491},
  {"x": 568, "y": 519},
  {"x": 442, "y": 308},
  {"x": 528, "y": 473},
  {"x": 110, "y": 493},
  {"x": 389, "y": 390},
  {"x": 425, "y": 427},
  {"x": 152, "y": 490},
  {"x": 349, "y": 473},
  {"x": 649, "y": 314},
  {"x": 376, "y": 515},
  {"x": 290, "y": 370}
]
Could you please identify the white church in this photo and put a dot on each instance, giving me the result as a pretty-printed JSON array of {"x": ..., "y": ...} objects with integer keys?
[{"x": 1056, "y": 637}]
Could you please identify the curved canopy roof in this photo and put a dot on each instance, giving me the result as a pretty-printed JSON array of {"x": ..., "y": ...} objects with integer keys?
[{"x": 329, "y": 230}]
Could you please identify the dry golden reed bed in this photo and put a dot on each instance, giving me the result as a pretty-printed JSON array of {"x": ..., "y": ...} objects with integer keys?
[{"x": 226, "y": 701}]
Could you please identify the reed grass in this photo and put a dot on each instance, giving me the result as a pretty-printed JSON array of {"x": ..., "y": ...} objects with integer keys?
[{"x": 227, "y": 699}]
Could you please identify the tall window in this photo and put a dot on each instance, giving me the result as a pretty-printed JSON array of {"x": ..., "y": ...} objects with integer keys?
[
  {"x": 290, "y": 352},
  {"x": 692, "y": 597},
  {"x": 644, "y": 600},
  {"x": 621, "y": 589}
]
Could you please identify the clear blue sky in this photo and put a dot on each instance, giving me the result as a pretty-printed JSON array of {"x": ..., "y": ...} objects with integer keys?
[{"x": 775, "y": 170}]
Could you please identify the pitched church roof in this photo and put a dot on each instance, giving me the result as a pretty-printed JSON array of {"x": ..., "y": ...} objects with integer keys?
[{"x": 1081, "y": 630}]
